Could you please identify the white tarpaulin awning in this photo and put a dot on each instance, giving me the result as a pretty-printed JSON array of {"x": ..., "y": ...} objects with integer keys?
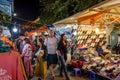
[{"x": 111, "y": 7}]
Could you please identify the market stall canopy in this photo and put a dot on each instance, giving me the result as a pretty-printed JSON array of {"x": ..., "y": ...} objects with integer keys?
[
  {"x": 107, "y": 11},
  {"x": 39, "y": 30},
  {"x": 32, "y": 24}
]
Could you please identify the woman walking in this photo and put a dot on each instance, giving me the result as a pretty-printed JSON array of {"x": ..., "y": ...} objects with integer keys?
[
  {"x": 27, "y": 55},
  {"x": 62, "y": 52},
  {"x": 41, "y": 63}
]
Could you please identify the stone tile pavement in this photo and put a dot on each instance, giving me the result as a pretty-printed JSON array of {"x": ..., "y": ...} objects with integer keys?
[{"x": 72, "y": 77}]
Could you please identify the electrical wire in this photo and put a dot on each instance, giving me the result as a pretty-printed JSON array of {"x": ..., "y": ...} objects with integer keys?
[
  {"x": 28, "y": 21},
  {"x": 32, "y": 22},
  {"x": 11, "y": 23}
]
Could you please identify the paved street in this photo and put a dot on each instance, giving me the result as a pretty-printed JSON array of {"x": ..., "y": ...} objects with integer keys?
[{"x": 72, "y": 77}]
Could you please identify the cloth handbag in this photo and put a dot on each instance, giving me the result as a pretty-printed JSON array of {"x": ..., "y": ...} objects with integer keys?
[
  {"x": 39, "y": 53},
  {"x": 68, "y": 61}
]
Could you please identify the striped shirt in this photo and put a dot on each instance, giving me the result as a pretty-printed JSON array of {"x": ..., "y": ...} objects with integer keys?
[{"x": 51, "y": 44}]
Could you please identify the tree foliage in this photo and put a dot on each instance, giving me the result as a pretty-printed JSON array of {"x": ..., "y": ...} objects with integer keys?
[
  {"x": 55, "y": 10},
  {"x": 4, "y": 19}
]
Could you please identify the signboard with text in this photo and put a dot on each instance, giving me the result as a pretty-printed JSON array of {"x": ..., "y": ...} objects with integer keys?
[{"x": 6, "y": 7}]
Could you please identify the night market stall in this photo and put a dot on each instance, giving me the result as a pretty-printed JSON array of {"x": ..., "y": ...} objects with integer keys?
[
  {"x": 93, "y": 25},
  {"x": 39, "y": 30}
]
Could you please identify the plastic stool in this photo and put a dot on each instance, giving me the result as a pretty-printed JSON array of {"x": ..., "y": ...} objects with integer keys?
[
  {"x": 92, "y": 75},
  {"x": 118, "y": 77},
  {"x": 77, "y": 71}
]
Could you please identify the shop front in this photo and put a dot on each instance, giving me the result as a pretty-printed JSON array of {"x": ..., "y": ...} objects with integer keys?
[{"x": 94, "y": 25}]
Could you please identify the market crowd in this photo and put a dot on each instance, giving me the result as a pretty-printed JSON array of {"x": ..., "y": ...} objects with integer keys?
[
  {"x": 46, "y": 51},
  {"x": 43, "y": 53}
]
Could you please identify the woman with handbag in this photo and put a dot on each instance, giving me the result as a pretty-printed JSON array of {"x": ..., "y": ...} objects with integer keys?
[
  {"x": 62, "y": 52},
  {"x": 41, "y": 63}
]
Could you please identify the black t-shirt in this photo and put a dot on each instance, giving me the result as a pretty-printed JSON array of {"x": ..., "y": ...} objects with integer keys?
[
  {"x": 99, "y": 49},
  {"x": 62, "y": 47}
]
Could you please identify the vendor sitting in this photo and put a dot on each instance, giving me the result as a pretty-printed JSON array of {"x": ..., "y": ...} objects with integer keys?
[{"x": 99, "y": 48}]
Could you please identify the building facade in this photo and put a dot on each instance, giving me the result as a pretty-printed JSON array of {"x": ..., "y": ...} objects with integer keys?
[
  {"x": 6, "y": 6},
  {"x": 6, "y": 11}
]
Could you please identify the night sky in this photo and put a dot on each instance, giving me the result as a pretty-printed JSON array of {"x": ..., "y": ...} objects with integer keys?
[{"x": 27, "y": 9}]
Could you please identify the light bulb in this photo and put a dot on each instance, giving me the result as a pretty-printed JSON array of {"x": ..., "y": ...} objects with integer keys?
[
  {"x": 15, "y": 29},
  {"x": 97, "y": 30}
]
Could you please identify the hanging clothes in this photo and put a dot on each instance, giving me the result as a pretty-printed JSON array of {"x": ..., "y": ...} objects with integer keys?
[
  {"x": 11, "y": 67},
  {"x": 3, "y": 48},
  {"x": 5, "y": 39}
]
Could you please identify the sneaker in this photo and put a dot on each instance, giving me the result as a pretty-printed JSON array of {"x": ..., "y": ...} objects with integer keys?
[
  {"x": 68, "y": 78},
  {"x": 53, "y": 77},
  {"x": 39, "y": 79},
  {"x": 61, "y": 75}
]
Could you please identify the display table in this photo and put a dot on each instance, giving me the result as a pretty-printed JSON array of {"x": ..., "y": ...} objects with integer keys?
[{"x": 108, "y": 67}]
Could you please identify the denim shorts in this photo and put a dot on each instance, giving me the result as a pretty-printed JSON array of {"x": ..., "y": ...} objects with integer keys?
[{"x": 52, "y": 59}]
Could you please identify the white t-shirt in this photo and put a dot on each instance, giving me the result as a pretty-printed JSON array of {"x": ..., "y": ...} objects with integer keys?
[{"x": 51, "y": 44}]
